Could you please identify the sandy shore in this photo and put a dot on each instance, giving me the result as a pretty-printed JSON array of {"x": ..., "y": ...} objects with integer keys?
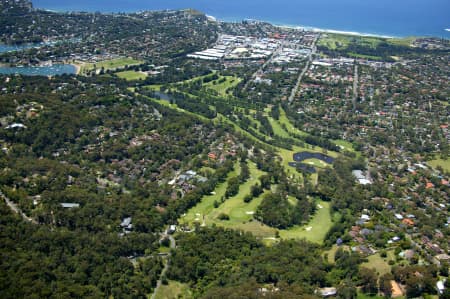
[
  {"x": 77, "y": 67},
  {"x": 313, "y": 29}
]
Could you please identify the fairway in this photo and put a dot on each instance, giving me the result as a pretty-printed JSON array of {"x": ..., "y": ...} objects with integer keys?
[
  {"x": 206, "y": 206},
  {"x": 283, "y": 120},
  {"x": 316, "y": 229},
  {"x": 221, "y": 88},
  {"x": 131, "y": 75},
  {"x": 345, "y": 145},
  {"x": 235, "y": 207},
  {"x": 316, "y": 163},
  {"x": 277, "y": 129}
]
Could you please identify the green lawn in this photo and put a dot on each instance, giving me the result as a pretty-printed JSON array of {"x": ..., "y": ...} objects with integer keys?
[
  {"x": 221, "y": 88},
  {"x": 174, "y": 290},
  {"x": 445, "y": 164},
  {"x": 379, "y": 264},
  {"x": 112, "y": 64},
  {"x": 131, "y": 75}
]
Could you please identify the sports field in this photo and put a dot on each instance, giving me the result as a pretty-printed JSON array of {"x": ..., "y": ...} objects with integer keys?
[{"x": 131, "y": 75}]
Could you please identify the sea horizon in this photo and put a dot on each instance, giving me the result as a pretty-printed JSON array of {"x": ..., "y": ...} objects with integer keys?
[{"x": 372, "y": 18}]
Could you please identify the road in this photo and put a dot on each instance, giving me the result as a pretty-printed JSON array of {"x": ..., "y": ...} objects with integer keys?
[
  {"x": 300, "y": 77},
  {"x": 173, "y": 245},
  {"x": 16, "y": 209},
  {"x": 355, "y": 86},
  {"x": 261, "y": 68}
]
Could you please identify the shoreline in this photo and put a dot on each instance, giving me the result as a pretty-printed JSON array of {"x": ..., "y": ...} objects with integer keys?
[
  {"x": 312, "y": 28},
  {"x": 334, "y": 31},
  {"x": 77, "y": 68}
]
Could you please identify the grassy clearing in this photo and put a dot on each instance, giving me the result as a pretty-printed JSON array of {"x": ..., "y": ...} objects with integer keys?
[
  {"x": 221, "y": 88},
  {"x": 132, "y": 75},
  {"x": 174, "y": 290},
  {"x": 445, "y": 164},
  {"x": 112, "y": 64},
  {"x": 316, "y": 229},
  {"x": 380, "y": 264}
]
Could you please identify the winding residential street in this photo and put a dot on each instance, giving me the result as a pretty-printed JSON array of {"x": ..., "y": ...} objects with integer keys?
[{"x": 16, "y": 209}]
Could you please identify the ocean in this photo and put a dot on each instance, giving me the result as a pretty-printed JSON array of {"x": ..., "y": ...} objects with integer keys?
[{"x": 399, "y": 18}]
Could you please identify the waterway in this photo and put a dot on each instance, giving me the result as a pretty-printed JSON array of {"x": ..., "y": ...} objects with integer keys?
[
  {"x": 53, "y": 70},
  {"x": 162, "y": 96},
  {"x": 10, "y": 48}
]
